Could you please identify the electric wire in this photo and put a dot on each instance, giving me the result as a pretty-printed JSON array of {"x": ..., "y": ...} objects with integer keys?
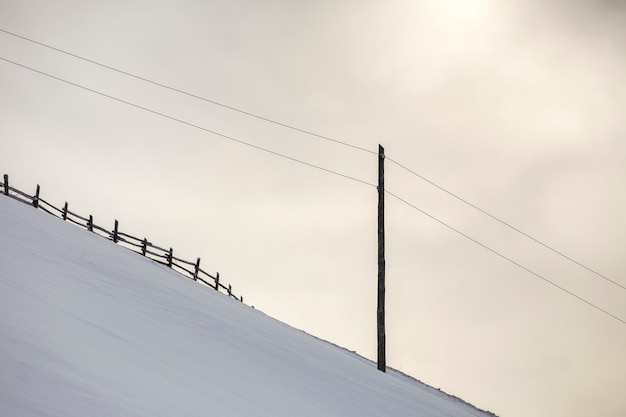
[
  {"x": 505, "y": 257},
  {"x": 308, "y": 132},
  {"x": 189, "y": 124},
  {"x": 189, "y": 94},
  {"x": 506, "y": 223},
  {"x": 313, "y": 166}
]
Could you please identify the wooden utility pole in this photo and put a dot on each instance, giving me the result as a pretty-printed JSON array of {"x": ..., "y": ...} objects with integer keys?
[{"x": 380, "y": 312}]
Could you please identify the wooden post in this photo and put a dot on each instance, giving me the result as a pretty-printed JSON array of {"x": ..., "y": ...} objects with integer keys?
[
  {"x": 115, "y": 237},
  {"x": 230, "y": 290},
  {"x": 36, "y": 199},
  {"x": 195, "y": 274},
  {"x": 170, "y": 257},
  {"x": 90, "y": 223},
  {"x": 380, "y": 312},
  {"x": 217, "y": 281},
  {"x": 6, "y": 184},
  {"x": 65, "y": 211},
  {"x": 144, "y": 246}
]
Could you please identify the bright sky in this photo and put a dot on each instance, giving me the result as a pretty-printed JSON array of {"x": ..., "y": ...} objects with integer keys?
[{"x": 516, "y": 106}]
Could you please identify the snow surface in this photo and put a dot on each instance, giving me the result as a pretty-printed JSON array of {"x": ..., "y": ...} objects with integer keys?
[{"x": 88, "y": 328}]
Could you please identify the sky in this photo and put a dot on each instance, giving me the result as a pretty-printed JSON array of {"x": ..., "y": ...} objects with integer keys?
[{"x": 514, "y": 106}]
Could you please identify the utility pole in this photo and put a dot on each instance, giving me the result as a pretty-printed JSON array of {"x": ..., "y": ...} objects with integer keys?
[{"x": 380, "y": 312}]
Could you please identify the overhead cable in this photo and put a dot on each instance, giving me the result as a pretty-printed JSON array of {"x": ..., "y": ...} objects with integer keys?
[
  {"x": 506, "y": 258},
  {"x": 510, "y": 226},
  {"x": 316, "y": 167},
  {"x": 308, "y": 132},
  {"x": 188, "y": 93},
  {"x": 189, "y": 124}
]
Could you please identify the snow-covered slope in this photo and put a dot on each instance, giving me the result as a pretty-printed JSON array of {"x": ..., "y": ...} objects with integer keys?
[{"x": 88, "y": 328}]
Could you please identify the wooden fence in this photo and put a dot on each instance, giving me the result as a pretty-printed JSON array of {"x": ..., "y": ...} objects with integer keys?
[{"x": 142, "y": 246}]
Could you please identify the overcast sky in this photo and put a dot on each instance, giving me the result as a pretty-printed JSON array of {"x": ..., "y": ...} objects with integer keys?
[{"x": 515, "y": 106}]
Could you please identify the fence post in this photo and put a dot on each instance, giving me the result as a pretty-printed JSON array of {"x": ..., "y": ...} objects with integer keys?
[
  {"x": 36, "y": 199},
  {"x": 90, "y": 223},
  {"x": 241, "y": 298},
  {"x": 115, "y": 238},
  {"x": 170, "y": 256},
  {"x": 217, "y": 281},
  {"x": 6, "y": 184},
  {"x": 230, "y": 290},
  {"x": 144, "y": 246},
  {"x": 65, "y": 211},
  {"x": 195, "y": 274}
]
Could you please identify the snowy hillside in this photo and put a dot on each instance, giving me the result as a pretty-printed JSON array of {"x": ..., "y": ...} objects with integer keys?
[{"x": 88, "y": 328}]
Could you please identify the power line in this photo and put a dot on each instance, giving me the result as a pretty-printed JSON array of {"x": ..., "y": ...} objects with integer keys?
[
  {"x": 293, "y": 128},
  {"x": 189, "y": 124},
  {"x": 506, "y": 224},
  {"x": 313, "y": 166},
  {"x": 190, "y": 94},
  {"x": 506, "y": 258},
  {"x": 320, "y": 137}
]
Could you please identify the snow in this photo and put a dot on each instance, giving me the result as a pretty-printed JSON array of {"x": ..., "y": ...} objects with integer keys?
[{"x": 88, "y": 328}]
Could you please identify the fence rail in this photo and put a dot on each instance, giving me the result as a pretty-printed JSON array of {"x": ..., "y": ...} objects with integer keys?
[{"x": 141, "y": 246}]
